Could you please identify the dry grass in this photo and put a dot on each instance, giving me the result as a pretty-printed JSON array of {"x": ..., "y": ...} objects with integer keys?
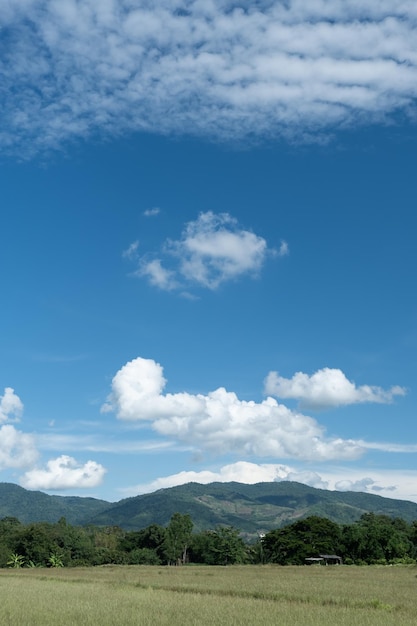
[{"x": 209, "y": 595}]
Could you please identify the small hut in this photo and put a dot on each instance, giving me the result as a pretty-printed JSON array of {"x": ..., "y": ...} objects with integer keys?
[{"x": 324, "y": 559}]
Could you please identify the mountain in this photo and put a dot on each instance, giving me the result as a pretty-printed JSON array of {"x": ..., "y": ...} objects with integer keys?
[
  {"x": 35, "y": 506},
  {"x": 251, "y": 508}
]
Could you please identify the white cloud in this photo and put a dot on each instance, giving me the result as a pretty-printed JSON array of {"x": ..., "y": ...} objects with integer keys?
[
  {"x": 11, "y": 407},
  {"x": 241, "y": 472},
  {"x": 390, "y": 483},
  {"x": 131, "y": 251},
  {"x": 284, "y": 249},
  {"x": 354, "y": 485},
  {"x": 152, "y": 212},
  {"x": 100, "y": 443},
  {"x": 17, "y": 449},
  {"x": 64, "y": 473},
  {"x": 212, "y": 250},
  {"x": 386, "y": 446},
  {"x": 219, "y": 421},
  {"x": 327, "y": 388},
  {"x": 283, "y": 69},
  {"x": 158, "y": 275}
]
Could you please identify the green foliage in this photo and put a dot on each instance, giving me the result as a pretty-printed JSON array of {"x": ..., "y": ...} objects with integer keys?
[
  {"x": 55, "y": 560},
  {"x": 306, "y": 538},
  {"x": 378, "y": 539},
  {"x": 143, "y": 556},
  {"x": 373, "y": 539},
  {"x": 222, "y": 546},
  {"x": 16, "y": 560},
  {"x": 177, "y": 538}
]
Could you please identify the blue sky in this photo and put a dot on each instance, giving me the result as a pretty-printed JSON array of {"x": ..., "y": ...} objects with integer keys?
[{"x": 208, "y": 246}]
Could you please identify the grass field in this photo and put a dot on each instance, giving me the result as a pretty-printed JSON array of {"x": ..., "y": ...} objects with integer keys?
[{"x": 126, "y": 595}]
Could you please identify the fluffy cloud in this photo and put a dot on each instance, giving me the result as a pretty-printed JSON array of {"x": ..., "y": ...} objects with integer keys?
[
  {"x": 326, "y": 388},
  {"x": 17, "y": 449},
  {"x": 283, "y": 69},
  {"x": 64, "y": 473},
  {"x": 212, "y": 250},
  {"x": 219, "y": 421},
  {"x": 11, "y": 407}
]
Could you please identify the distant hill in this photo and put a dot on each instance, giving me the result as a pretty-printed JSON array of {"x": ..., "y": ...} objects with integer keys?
[
  {"x": 251, "y": 508},
  {"x": 35, "y": 506}
]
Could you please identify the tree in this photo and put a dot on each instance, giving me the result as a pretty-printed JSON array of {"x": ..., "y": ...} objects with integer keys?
[
  {"x": 378, "y": 538},
  {"x": 177, "y": 539},
  {"x": 308, "y": 537},
  {"x": 221, "y": 546},
  {"x": 228, "y": 546}
]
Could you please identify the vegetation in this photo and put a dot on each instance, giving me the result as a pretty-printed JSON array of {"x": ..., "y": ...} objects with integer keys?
[
  {"x": 376, "y": 596},
  {"x": 373, "y": 539},
  {"x": 251, "y": 508}
]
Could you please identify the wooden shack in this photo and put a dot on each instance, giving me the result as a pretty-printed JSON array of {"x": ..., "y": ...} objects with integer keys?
[{"x": 324, "y": 559}]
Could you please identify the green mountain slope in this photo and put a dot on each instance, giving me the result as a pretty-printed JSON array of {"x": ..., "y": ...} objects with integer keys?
[
  {"x": 35, "y": 506},
  {"x": 251, "y": 508}
]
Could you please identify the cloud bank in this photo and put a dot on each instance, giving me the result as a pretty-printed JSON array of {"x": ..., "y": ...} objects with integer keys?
[
  {"x": 220, "y": 422},
  {"x": 242, "y": 472},
  {"x": 334, "y": 478},
  {"x": 327, "y": 388},
  {"x": 72, "y": 69},
  {"x": 212, "y": 250}
]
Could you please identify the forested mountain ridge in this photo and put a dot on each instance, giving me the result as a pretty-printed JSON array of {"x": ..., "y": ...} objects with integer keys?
[
  {"x": 36, "y": 506},
  {"x": 250, "y": 508}
]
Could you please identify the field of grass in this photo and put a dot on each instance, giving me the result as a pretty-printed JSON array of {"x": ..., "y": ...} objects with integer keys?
[{"x": 237, "y": 595}]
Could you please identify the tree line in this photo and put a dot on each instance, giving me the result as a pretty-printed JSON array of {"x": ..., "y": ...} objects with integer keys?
[{"x": 372, "y": 539}]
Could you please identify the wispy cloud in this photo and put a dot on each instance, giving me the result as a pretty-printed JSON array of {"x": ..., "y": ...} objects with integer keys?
[
  {"x": 152, "y": 212},
  {"x": 327, "y": 388},
  {"x": 212, "y": 250},
  {"x": 96, "y": 442},
  {"x": 284, "y": 249},
  {"x": 286, "y": 69},
  {"x": 131, "y": 251}
]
